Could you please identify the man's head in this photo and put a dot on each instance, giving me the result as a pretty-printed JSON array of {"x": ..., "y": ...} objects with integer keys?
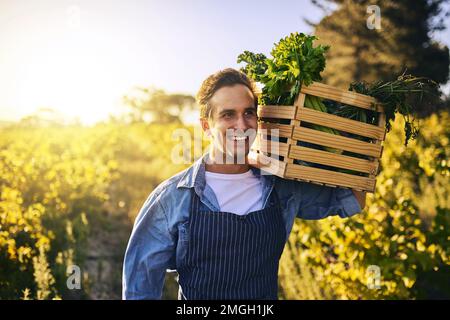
[{"x": 228, "y": 112}]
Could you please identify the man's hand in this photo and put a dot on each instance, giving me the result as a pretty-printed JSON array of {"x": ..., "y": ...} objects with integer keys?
[{"x": 361, "y": 197}]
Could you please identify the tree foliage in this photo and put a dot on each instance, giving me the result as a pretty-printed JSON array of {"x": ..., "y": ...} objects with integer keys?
[
  {"x": 157, "y": 106},
  {"x": 404, "y": 42}
]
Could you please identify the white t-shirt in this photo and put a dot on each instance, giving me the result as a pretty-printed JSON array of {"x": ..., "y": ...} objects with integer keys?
[{"x": 239, "y": 193}]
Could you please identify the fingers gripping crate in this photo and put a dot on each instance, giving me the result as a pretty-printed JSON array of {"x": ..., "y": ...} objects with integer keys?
[{"x": 292, "y": 146}]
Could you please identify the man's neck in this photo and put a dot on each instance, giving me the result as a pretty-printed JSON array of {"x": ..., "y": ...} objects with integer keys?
[{"x": 228, "y": 168}]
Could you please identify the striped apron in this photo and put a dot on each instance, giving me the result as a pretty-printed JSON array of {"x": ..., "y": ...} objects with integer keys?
[{"x": 231, "y": 256}]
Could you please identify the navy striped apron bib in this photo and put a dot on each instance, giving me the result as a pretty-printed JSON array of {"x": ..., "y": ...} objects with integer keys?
[{"x": 231, "y": 256}]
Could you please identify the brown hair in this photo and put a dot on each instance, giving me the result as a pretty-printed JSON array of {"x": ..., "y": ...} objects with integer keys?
[{"x": 220, "y": 79}]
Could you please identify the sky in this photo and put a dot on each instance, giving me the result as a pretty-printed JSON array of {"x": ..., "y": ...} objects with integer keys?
[{"x": 81, "y": 57}]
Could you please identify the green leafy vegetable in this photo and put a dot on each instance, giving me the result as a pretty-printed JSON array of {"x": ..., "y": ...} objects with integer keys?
[
  {"x": 403, "y": 95},
  {"x": 294, "y": 62}
]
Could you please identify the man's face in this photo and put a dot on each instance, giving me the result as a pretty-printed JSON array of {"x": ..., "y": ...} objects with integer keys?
[{"x": 233, "y": 122}]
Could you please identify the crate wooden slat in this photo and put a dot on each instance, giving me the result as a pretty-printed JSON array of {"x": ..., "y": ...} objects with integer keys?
[
  {"x": 343, "y": 96},
  {"x": 316, "y": 156},
  {"x": 319, "y": 159},
  {"x": 284, "y": 130},
  {"x": 268, "y": 164},
  {"x": 269, "y": 146},
  {"x": 281, "y": 112},
  {"x": 340, "y": 123},
  {"x": 332, "y": 159},
  {"x": 329, "y": 177},
  {"x": 335, "y": 141}
]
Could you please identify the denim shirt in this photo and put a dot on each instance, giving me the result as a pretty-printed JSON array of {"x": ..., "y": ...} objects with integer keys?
[{"x": 160, "y": 234}]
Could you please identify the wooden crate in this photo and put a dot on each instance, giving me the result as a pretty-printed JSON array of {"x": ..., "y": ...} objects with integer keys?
[{"x": 287, "y": 125}]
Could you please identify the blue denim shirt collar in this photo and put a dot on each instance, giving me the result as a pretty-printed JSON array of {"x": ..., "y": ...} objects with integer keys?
[{"x": 194, "y": 177}]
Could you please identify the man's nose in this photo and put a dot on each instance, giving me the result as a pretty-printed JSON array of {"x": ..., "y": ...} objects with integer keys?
[{"x": 241, "y": 123}]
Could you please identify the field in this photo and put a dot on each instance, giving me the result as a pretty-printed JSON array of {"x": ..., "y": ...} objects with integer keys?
[{"x": 69, "y": 196}]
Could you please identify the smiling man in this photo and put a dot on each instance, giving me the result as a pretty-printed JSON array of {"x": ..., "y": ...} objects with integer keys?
[{"x": 221, "y": 223}]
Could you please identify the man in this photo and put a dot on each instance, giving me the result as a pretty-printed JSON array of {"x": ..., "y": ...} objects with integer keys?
[{"x": 221, "y": 223}]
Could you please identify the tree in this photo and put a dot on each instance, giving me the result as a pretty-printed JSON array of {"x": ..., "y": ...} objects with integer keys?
[
  {"x": 156, "y": 105},
  {"x": 404, "y": 41}
]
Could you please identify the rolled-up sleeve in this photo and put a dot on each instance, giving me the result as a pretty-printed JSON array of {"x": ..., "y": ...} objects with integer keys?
[
  {"x": 319, "y": 202},
  {"x": 150, "y": 250}
]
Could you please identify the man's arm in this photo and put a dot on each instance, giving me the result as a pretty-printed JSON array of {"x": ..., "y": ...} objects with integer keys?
[
  {"x": 361, "y": 197},
  {"x": 150, "y": 250},
  {"x": 311, "y": 201}
]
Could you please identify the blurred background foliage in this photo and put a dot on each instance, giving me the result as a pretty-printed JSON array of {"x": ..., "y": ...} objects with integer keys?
[
  {"x": 69, "y": 193},
  {"x": 403, "y": 42},
  {"x": 69, "y": 196}
]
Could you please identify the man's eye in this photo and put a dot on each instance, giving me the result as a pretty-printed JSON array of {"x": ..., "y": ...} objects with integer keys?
[
  {"x": 227, "y": 115},
  {"x": 250, "y": 113}
]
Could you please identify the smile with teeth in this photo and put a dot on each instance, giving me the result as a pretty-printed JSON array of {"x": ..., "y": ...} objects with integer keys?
[{"x": 239, "y": 138}]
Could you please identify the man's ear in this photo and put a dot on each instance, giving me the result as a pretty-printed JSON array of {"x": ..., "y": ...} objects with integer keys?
[{"x": 205, "y": 126}]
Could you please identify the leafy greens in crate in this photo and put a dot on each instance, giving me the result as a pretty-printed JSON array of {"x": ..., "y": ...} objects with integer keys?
[{"x": 296, "y": 61}]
